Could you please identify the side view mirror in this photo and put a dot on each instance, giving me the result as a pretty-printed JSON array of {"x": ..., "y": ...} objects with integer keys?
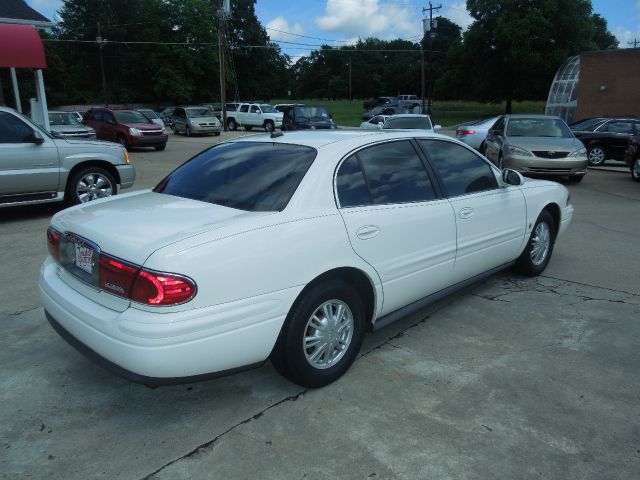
[
  {"x": 110, "y": 122},
  {"x": 511, "y": 177},
  {"x": 437, "y": 127},
  {"x": 35, "y": 137}
]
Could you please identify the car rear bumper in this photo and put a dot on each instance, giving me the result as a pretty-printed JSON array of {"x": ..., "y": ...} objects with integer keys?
[
  {"x": 127, "y": 175},
  {"x": 174, "y": 347}
]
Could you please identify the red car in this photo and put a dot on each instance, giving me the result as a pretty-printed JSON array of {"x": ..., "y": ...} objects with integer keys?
[{"x": 130, "y": 128}]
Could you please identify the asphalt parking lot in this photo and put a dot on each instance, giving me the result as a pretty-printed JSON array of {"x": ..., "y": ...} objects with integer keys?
[{"x": 513, "y": 378}]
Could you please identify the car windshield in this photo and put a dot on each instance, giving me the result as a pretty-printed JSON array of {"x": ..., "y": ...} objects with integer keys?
[
  {"x": 411, "y": 123},
  {"x": 196, "y": 112},
  {"x": 315, "y": 113},
  {"x": 252, "y": 176},
  {"x": 149, "y": 113},
  {"x": 266, "y": 108},
  {"x": 131, "y": 117},
  {"x": 63, "y": 118},
  {"x": 538, "y": 127}
]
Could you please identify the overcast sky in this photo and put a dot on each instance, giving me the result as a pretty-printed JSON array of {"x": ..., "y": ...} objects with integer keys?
[{"x": 337, "y": 22}]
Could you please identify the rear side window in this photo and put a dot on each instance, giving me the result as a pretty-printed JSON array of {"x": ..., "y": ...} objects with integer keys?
[
  {"x": 461, "y": 170},
  {"x": 395, "y": 174},
  {"x": 253, "y": 176},
  {"x": 620, "y": 127},
  {"x": 244, "y": 108},
  {"x": 350, "y": 183}
]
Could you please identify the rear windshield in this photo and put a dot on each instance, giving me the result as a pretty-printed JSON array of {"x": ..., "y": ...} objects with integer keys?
[
  {"x": 131, "y": 117},
  {"x": 412, "y": 123},
  {"x": 252, "y": 176}
]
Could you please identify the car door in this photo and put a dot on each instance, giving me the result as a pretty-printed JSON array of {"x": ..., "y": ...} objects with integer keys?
[
  {"x": 490, "y": 219},
  {"x": 26, "y": 166},
  {"x": 180, "y": 120},
  {"x": 618, "y": 133},
  {"x": 495, "y": 140},
  {"x": 254, "y": 118},
  {"x": 109, "y": 127},
  {"x": 397, "y": 221}
]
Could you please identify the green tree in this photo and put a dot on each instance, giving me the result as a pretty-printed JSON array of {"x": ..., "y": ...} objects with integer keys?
[{"x": 514, "y": 47}]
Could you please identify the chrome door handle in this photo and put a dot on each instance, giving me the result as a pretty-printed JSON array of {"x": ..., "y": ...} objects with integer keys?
[
  {"x": 367, "y": 231},
  {"x": 465, "y": 212}
]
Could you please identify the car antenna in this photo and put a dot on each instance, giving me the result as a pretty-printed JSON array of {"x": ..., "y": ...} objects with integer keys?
[{"x": 276, "y": 134}]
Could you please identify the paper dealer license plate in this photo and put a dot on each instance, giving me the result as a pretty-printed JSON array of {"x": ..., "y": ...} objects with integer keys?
[{"x": 84, "y": 258}]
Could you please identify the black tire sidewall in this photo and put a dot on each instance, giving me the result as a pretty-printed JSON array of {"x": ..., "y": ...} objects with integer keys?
[
  {"x": 70, "y": 193},
  {"x": 269, "y": 126},
  {"x": 291, "y": 360}
]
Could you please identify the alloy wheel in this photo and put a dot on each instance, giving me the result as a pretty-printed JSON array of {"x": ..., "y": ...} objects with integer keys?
[
  {"x": 540, "y": 243},
  {"x": 596, "y": 156},
  {"x": 93, "y": 186},
  {"x": 328, "y": 334}
]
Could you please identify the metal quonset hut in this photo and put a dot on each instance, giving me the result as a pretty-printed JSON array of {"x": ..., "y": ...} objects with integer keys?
[
  {"x": 21, "y": 47},
  {"x": 597, "y": 84}
]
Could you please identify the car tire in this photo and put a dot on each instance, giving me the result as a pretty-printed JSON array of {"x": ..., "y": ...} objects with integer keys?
[
  {"x": 161, "y": 147},
  {"x": 187, "y": 131},
  {"x": 311, "y": 319},
  {"x": 596, "y": 155},
  {"x": 232, "y": 124},
  {"x": 635, "y": 170},
  {"x": 175, "y": 129},
  {"x": 122, "y": 140},
  {"x": 217, "y": 134},
  {"x": 536, "y": 255},
  {"x": 88, "y": 184},
  {"x": 269, "y": 126}
]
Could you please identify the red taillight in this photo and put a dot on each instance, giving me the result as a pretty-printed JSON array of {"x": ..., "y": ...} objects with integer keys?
[
  {"x": 465, "y": 132},
  {"x": 155, "y": 288},
  {"x": 135, "y": 283},
  {"x": 53, "y": 243},
  {"x": 116, "y": 277}
]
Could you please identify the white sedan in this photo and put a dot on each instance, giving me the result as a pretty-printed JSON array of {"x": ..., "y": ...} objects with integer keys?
[
  {"x": 289, "y": 247},
  {"x": 375, "y": 123}
]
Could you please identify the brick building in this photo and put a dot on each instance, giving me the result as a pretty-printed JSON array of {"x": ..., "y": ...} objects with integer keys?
[{"x": 592, "y": 84}]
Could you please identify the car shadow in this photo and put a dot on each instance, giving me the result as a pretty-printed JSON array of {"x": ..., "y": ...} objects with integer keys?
[{"x": 31, "y": 212}]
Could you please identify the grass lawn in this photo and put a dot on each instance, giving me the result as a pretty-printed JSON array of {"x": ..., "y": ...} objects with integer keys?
[{"x": 445, "y": 113}]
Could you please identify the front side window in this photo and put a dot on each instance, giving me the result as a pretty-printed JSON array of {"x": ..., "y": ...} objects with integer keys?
[
  {"x": 252, "y": 176},
  {"x": 395, "y": 174},
  {"x": 461, "y": 170},
  {"x": 14, "y": 130}
]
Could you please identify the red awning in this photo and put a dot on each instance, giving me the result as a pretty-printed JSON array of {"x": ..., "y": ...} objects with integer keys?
[{"x": 21, "y": 47}]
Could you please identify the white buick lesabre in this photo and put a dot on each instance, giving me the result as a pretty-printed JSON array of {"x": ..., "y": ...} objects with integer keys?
[{"x": 289, "y": 247}]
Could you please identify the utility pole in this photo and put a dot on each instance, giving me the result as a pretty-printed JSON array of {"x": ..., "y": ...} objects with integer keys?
[
  {"x": 634, "y": 42},
  {"x": 222, "y": 16},
  {"x": 428, "y": 28},
  {"x": 101, "y": 41}
]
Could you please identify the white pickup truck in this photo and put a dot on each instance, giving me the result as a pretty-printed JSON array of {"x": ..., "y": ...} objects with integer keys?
[{"x": 249, "y": 115}]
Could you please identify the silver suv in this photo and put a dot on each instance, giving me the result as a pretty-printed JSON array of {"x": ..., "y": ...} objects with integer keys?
[{"x": 36, "y": 167}]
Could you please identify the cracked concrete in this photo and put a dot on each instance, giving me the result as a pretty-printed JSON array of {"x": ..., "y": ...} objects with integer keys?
[{"x": 513, "y": 378}]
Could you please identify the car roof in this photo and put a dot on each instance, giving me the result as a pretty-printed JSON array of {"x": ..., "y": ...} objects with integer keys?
[
  {"x": 410, "y": 115},
  {"x": 319, "y": 138}
]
